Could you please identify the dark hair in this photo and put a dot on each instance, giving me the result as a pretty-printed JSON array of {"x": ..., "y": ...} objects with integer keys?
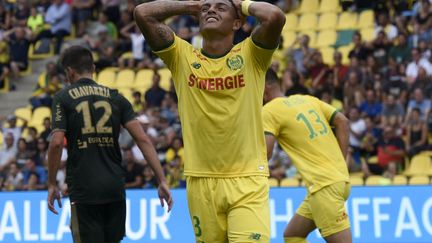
[
  {"x": 78, "y": 58},
  {"x": 271, "y": 77}
]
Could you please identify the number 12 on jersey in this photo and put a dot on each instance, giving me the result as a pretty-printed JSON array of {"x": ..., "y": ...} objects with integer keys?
[
  {"x": 101, "y": 127},
  {"x": 302, "y": 117}
]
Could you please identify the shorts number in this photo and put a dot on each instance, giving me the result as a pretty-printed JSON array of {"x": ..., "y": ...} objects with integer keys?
[
  {"x": 100, "y": 125},
  {"x": 197, "y": 226}
]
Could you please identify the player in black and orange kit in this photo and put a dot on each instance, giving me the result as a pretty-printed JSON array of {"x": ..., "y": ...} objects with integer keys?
[{"x": 89, "y": 116}]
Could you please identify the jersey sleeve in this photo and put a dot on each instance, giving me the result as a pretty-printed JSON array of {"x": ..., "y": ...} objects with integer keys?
[
  {"x": 58, "y": 111},
  {"x": 171, "y": 54},
  {"x": 261, "y": 57},
  {"x": 328, "y": 110},
  {"x": 127, "y": 112},
  {"x": 270, "y": 122}
]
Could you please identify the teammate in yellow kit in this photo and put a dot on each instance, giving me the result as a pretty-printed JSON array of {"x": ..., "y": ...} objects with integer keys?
[
  {"x": 220, "y": 89},
  {"x": 303, "y": 127}
]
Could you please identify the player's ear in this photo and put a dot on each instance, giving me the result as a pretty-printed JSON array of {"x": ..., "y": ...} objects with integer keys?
[{"x": 238, "y": 23}]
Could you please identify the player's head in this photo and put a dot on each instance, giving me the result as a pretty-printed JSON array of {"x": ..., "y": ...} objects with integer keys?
[
  {"x": 219, "y": 17},
  {"x": 77, "y": 61},
  {"x": 272, "y": 86}
]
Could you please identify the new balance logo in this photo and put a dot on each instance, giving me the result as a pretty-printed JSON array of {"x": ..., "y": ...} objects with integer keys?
[{"x": 255, "y": 236}]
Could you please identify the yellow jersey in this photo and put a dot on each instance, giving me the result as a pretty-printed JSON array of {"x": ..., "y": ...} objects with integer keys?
[
  {"x": 220, "y": 103},
  {"x": 301, "y": 124}
]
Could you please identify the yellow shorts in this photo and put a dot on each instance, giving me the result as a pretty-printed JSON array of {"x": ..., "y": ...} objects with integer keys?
[
  {"x": 231, "y": 210},
  {"x": 326, "y": 208}
]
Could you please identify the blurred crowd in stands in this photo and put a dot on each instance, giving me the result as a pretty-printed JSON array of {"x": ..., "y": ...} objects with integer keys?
[{"x": 384, "y": 88}]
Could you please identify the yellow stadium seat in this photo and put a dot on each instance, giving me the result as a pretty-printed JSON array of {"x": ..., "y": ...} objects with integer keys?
[
  {"x": 165, "y": 81},
  {"x": 356, "y": 181},
  {"x": 356, "y": 174},
  {"x": 127, "y": 55},
  {"x": 288, "y": 38},
  {"x": 36, "y": 56},
  {"x": 327, "y": 54},
  {"x": 308, "y": 6},
  {"x": 143, "y": 80},
  {"x": 6, "y": 86},
  {"x": 366, "y": 19},
  {"x": 419, "y": 180},
  {"x": 368, "y": 34},
  {"x": 39, "y": 114},
  {"x": 127, "y": 93},
  {"x": 28, "y": 71},
  {"x": 291, "y": 21},
  {"x": 344, "y": 50},
  {"x": 347, "y": 21},
  {"x": 329, "y": 6},
  {"x": 107, "y": 78},
  {"x": 23, "y": 113},
  {"x": 125, "y": 79},
  {"x": 377, "y": 181},
  {"x": 1, "y": 139},
  {"x": 289, "y": 182},
  {"x": 326, "y": 38},
  {"x": 400, "y": 180},
  {"x": 307, "y": 22},
  {"x": 273, "y": 182},
  {"x": 72, "y": 35},
  {"x": 419, "y": 165},
  {"x": 327, "y": 21}
]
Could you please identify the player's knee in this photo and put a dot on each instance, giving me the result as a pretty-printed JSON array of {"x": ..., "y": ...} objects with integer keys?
[{"x": 295, "y": 240}]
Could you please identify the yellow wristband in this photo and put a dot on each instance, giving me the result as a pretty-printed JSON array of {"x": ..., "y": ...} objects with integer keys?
[{"x": 245, "y": 7}]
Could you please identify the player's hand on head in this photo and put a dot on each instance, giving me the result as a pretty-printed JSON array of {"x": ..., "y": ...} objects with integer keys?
[
  {"x": 165, "y": 195},
  {"x": 53, "y": 195}
]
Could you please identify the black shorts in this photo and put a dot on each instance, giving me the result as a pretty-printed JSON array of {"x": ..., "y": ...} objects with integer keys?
[{"x": 98, "y": 223}]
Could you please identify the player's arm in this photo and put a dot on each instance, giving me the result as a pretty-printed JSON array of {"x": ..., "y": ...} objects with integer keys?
[
  {"x": 146, "y": 146},
  {"x": 271, "y": 21},
  {"x": 270, "y": 142},
  {"x": 341, "y": 124},
  {"x": 150, "y": 19},
  {"x": 54, "y": 156}
]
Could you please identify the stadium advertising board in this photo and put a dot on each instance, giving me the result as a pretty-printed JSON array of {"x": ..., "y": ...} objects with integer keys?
[{"x": 378, "y": 214}]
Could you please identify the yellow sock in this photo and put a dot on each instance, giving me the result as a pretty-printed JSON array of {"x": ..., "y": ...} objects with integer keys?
[{"x": 295, "y": 240}]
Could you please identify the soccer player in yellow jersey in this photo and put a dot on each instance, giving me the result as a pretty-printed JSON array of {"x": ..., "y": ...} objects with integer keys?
[
  {"x": 303, "y": 127},
  {"x": 220, "y": 89}
]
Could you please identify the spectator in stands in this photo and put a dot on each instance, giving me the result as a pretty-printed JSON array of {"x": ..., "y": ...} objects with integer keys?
[
  {"x": 418, "y": 34},
  {"x": 59, "y": 16},
  {"x": 339, "y": 73},
  {"x": 42, "y": 6},
  {"x": 21, "y": 13},
  {"x": 169, "y": 109},
  {"x": 124, "y": 43},
  {"x": 104, "y": 47},
  {"x": 396, "y": 84},
  {"x": 417, "y": 62},
  {"x": 8, "y": 152},
  {"x": 393, "y": 112},
  {"x": 175, "y": 173},
  {"x": 326, "y": 95},
  {"x": 423, "y": 82},
  {"x": 353, "y": 90},
  {"x": 110, "y": 26},
  {"x": 401, "y": 51},
  {"x": 417, "y": 134},
  {"x": 13, "y": 128},
  {"x": 391, "y": 152},
  {"x": 41, "y": 153},
  {"x": 176, "y": 150},
  {"x": 359, "y": 51},
  {"x": 420, "y": 102},
  {"x": 155, "y": 95},
  {"x": 14, "y": 178},
  {"x": 291, "y": 83},
  {"x": 19, "y": 43},
  {"x": 23, "y": 153},
  {"x": 44, "y": 91},
  {"x": 424, "y": 15},
  {"x": 385, "y": 25},
  {"x": 149, "y": 181},
  {"x": 4, "y": 62},
  {"x": 166, "y": 133},
  {"x": 137, "y": 104},
  {"x": 35, "y": 21},
  {"x": 82, "y": 13},
  {"x": 5, "y": 18},
  {"x": 357, "y": 132},
  {"x": 35, "y": 176},
  {"x": 317, "y": 70},
  {"x": 133, "y": 175},
  {"x": 47, "y": 129},
  {"x": 140, "y": 58},
  {"x": 151, "y": 132},
  {"x": 300, "y": 54},
  {"x": 372, "y": 106},
  {"x": 112, "y": 9},
  {"x": 381, "y": 46},
  {"x": 31, "y": 138}
]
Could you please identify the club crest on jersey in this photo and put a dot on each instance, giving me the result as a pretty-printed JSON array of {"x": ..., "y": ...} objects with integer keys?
[
  {"x": 235, "y": 62},
  {"x": 196, "y": 65}
]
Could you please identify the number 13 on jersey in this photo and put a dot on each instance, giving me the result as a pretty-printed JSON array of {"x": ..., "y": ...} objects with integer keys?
[{"x": 317, "y": 120}]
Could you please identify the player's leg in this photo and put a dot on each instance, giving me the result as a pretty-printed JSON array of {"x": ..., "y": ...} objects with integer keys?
[
  {"x": 329, "y": 213},
  {"x": 249, "y": 213},
  {"x": 114, "y": 219},
  {"x": 300, "y": 225},
  {"x": 86, "y": 223},
  {"x": 207, "y": 210}
]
